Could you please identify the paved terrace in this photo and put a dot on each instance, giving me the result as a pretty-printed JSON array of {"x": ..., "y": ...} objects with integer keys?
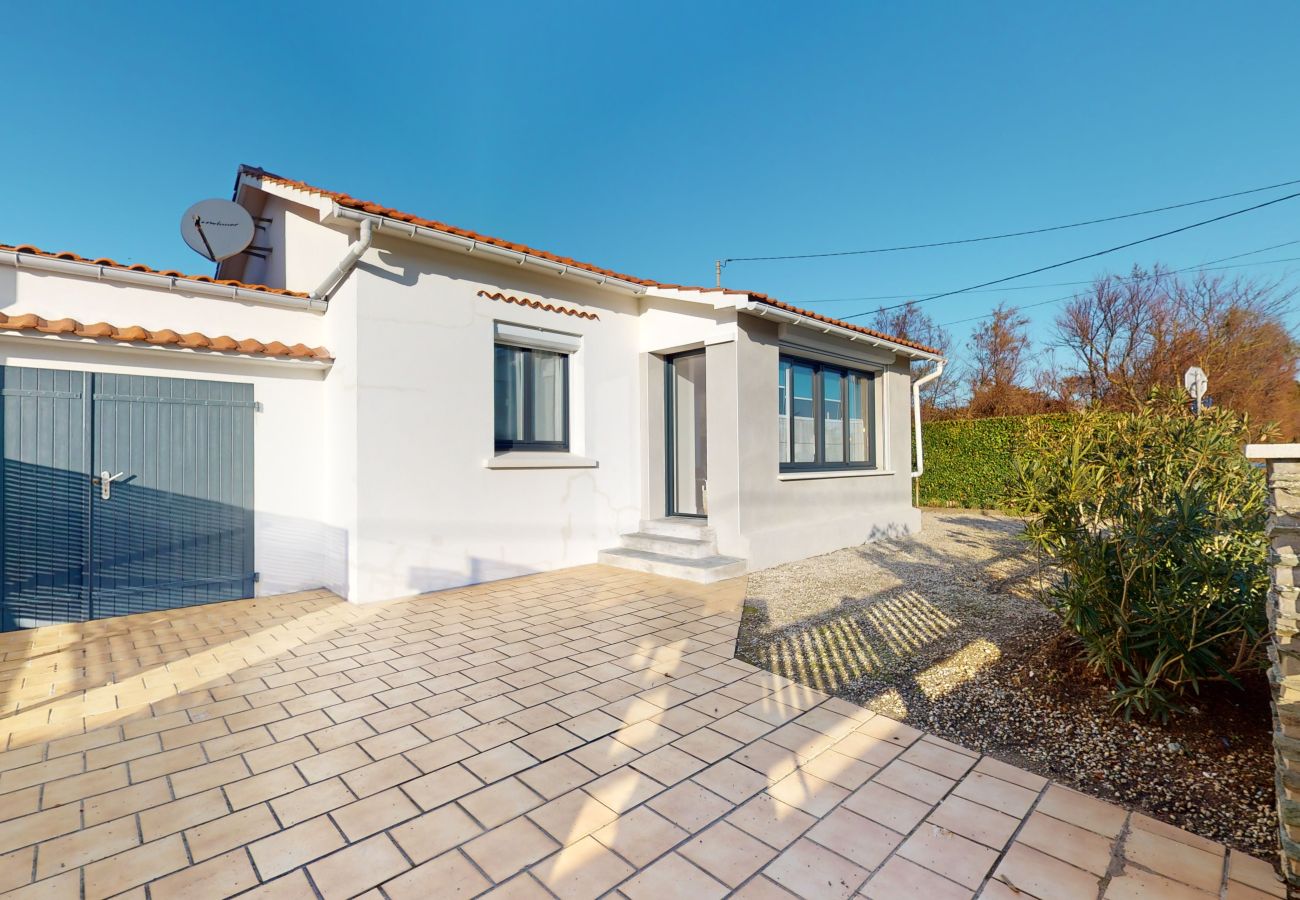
[{"x": 572, "y": 734}]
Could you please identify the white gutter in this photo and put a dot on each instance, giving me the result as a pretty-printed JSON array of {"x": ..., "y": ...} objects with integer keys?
[
  {"x": 442, "y": 239},
  {"x": 346, "y": 264},
  {"x": 765, "y": 311},
  {"x": 916, "y": 416},
  {"x": 152, "y": 280}
]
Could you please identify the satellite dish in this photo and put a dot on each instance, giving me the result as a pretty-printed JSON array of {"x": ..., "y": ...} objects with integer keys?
[{"x": 217, "y": 229}]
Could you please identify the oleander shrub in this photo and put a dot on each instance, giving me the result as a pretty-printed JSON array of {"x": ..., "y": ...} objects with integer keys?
[{"x": 1153, "y": 524}]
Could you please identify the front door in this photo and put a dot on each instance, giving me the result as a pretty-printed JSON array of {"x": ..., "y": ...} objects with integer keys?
[{"x": 687, "y": 450}]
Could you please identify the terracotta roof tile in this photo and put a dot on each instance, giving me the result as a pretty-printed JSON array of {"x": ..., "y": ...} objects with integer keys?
[
  {"x": 138, "y": 267},
  {"x": 377, "y": 209},
  {"x": 537, "y": 304},
  {"x": 194, "y": 340}
]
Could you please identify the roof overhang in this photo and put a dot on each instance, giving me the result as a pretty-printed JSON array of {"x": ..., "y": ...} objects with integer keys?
[{"x": 447, "y": 241}]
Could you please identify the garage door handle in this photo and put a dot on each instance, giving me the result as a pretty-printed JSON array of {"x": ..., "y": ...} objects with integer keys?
[{"x": 105, "y": 482}]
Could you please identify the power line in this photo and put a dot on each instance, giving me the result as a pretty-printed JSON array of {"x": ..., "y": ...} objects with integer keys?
[
  {"x": 1020, "y": 287},
  {"x": 1009, "y": 234},
  {"x": 1086, "y": 256},
  {"x": 1205, "y": 267}
]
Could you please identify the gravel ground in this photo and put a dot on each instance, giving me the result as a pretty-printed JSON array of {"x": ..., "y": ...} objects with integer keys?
[{"x": 943, "y": 630}]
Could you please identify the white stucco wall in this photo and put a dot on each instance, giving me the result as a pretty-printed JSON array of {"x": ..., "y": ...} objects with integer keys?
[
  {"x": 296, "y": 546},
  {"x": 431, "y": 513}
]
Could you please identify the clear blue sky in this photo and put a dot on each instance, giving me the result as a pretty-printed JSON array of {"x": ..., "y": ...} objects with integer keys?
[{"x": 654, "y": 139}]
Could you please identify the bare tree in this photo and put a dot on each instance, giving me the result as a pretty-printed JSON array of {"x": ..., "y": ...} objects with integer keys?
[
  {"x": 1000, "y": 366},
  {"x": 911, "y": 323},
  {"x": 1126, "y": 336}
]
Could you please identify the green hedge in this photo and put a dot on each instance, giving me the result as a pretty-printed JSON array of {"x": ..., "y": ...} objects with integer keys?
[{"x": 969, "y": 462}]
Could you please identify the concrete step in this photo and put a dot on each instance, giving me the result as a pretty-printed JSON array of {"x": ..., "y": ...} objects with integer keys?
[
  {"x": 668, "y": 545},
  {"x": 678, "y": 526},
  {"x": 703, "y": 571}
]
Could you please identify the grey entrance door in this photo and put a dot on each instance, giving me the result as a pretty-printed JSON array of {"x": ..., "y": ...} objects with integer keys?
[
  {"x": 173, "y": 526},
  {"x": 688, "y": 445}
]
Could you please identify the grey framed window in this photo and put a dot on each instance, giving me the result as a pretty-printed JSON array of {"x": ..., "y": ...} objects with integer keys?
[
  {"x": 532, "y": 398},
  {"x": 826, "y": 416}
]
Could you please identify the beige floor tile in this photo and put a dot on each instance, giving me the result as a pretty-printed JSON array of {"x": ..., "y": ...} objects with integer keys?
[
  {"x": 731, "y": 781},
  {"x": 1138, "y": 885},
  {"x": 899, "y": 878},
  {"x": 807, "y": 869},
  {"x": 373, "y": 814},
  {"x": 571, "y": 817},
  {"x": 500, "y": 802},
  {"x": 583, "y": 870},
  {"x": 938, "y": 759},
  {"x": 1026, "y": 869},
  {"x": 290, "y": 848},
  {"x": 435, "y": 832},
  {"x": 133, "y": 868},
  {"x": 808, "y": 793},
  {"x": 690, "y": 806},
  {"x": 222, "y": 876},
  {"x": 1081, "y": 810},
  {"x": 954, "y": 857},
  {"x": 672, "y": 876},
  {"x": 995, "y": 793},
  {"x": 1254, "y": 873},
  {"x": 556, "y": 776},
  {"x": 547, "y": 743},
  {"x": 727, "y": 853},
  {"x": 775, "y": 823},
  {"x": 707, "y": 744},
  {"x": 990, "y": 766},
  {"x": 239, "y": 828},
  {"x": 443, "y": 786},
  {"x": 668, "y": 765},
  {"x": 860, "y": 840},
  {"x": 924, "y": 785},
  {"x": 378, "y": 776},
  {"x": 1077, "y": 846},
  {"x": 504, "y": 851},
  {"x": 979, "y": 823},
  {"x": 499, "y": 762},
  {"x": 79, "y": 848},
  {"x": 39, "y": 826},
  {"x": 1174, "y": 859},
  {"x": 845, "y": 771},
  {"x": 604, "y": 755},
  {"x": 640, "y": 835},
  {"x": 357, "y": 868},
  {"x": 623, "y": 788},
  {"x": 169, "y": 818},
  {"x": 16, "y": 868},
  {"x": 311, "y": 801}
]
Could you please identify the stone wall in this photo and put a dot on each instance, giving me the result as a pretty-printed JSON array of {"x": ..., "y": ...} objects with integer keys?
[{"x": 1283, "y": 462}]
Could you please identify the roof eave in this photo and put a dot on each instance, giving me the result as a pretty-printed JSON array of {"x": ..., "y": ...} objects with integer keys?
[
  {"x": 446, "y": 240},
  {"x": 767, "y": 310}
]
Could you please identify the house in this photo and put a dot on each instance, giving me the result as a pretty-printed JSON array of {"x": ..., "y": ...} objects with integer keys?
[{"x": 384, "y": 404}]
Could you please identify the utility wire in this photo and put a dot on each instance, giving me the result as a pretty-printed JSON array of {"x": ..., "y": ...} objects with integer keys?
[
  {"x": 1022, "y": 287},
  {"x": 1009, "y": 234},
  {"x": 1204, "y": 267},
  {"x": 1094, "y": 255}
]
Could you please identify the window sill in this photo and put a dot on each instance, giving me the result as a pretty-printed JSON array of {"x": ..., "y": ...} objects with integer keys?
[
  {"x": 841, "y": 473},
  {"x": 538, "y": 459}
]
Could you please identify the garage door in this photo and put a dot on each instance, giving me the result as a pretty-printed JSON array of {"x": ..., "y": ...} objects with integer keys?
[{"x": 122, "y": 494}]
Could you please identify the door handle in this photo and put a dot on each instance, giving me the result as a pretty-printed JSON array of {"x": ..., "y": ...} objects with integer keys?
[{"x": 105, "y": 482}]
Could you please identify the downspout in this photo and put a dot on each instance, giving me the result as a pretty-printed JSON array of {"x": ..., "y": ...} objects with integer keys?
[
  {"x": 916, "y": 415},
  {"x": 346, "y": 264}
]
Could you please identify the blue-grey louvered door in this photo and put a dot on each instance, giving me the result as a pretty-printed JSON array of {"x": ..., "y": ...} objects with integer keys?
[{"x": 175, "y": 526}]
